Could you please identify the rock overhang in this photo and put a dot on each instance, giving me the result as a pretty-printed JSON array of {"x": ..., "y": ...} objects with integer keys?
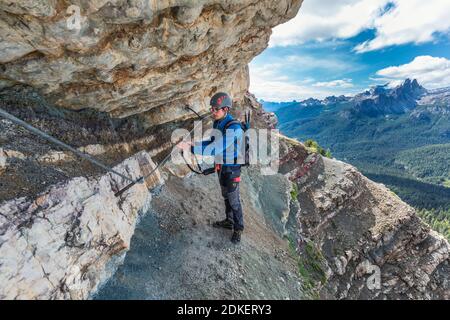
[{"x": 133, "y": 57}]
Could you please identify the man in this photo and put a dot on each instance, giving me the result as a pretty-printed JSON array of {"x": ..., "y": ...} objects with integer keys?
[{"x": 226, "y": 150}]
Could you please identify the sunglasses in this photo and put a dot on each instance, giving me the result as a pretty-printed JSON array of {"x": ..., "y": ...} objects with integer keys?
[{"x": 215, "y": 109}]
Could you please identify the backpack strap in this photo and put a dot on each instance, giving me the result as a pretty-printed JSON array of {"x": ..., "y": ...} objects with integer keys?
[
  {"x": 243, "y": 128},
  {"x": 247, "y": 119},
  {"x": 231, "y": 122}
]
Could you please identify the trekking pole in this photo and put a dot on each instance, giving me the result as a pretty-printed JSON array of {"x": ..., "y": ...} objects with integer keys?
[{"x": 63, "y": 145}]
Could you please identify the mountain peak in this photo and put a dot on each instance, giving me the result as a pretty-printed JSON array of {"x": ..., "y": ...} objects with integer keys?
[
  {"x": 410, "y": 83},
  {"x": 413, "y": 82},
  {"x": 377, "y": 90},
  {"x": 334, "y": 99},
  {"x": 382, "y": 100},
  {"x": 310, "y": 102},
  {"x": 410, "y": 88}
]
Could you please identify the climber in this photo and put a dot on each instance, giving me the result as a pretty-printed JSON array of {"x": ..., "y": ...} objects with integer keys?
[{"x": 228, "y": 168}]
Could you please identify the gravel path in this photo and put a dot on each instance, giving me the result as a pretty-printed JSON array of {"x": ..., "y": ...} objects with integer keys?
[{"x": 176, "y": 253}]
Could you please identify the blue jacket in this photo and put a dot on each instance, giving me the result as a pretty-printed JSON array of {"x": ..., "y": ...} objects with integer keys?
[{"x": 228, "y": 145}]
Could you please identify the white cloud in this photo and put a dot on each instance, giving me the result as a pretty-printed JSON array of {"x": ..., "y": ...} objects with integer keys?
[
  {"x": 327, "y": 19},
  {"x": 270, "y": 90},
  {"x": 410, "y": 21},
  {"x": 431, "y": 72},
  {"x": 309, "y": 62},
  {"x": 343, "y": 83},
  {"x": 267, "y": 82},
  {"x": 304, "y": 62},
  {"x": 407, "y": 21}
]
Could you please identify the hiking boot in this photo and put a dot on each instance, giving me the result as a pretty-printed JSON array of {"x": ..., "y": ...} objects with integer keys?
[
  {"x": 236, "y": 238},
  {"x": 227, "y": 224}
]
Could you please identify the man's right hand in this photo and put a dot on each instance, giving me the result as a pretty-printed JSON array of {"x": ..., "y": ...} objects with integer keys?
[{"x": 183, "y": 145}]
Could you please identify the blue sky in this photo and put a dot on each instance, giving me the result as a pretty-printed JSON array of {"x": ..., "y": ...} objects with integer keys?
[{"x": 346, "y": 46}]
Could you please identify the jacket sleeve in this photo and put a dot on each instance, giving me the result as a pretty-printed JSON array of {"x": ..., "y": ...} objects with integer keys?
[
  {"x": 199, "y": 147},
  {"x": 218, "y": 146}
]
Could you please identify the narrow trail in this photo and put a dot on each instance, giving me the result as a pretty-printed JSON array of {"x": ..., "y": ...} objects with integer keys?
[{"x": 176, "y": 253}]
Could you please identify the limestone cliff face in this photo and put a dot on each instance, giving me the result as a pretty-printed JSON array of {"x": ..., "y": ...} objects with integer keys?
[
  {"x": 358, "y": 239},
  {"x": 130, "y": 57},
  {"x": 59, "y": 244}
]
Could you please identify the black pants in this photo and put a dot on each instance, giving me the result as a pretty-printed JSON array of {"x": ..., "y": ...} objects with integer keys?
[{"x": 229, "y": 177}]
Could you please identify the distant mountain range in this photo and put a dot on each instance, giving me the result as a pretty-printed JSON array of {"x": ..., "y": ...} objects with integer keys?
[
  {"x": 398, "y": 136},
  {"x": 379, "y": 100}
]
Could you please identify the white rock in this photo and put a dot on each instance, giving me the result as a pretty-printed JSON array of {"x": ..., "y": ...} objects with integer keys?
[
  {"x": 76, "y": 228},
  {"x": 2, "y": 159}
]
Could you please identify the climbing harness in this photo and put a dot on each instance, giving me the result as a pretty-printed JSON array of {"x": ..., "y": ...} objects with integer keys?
[{"x": 199, "y": 169}]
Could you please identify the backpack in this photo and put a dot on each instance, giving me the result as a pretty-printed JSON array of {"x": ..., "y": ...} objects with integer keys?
[{"x": 246, "y": 144}]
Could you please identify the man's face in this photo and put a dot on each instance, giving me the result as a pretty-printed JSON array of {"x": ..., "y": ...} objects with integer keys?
[{"x": 218, "y": 113}]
